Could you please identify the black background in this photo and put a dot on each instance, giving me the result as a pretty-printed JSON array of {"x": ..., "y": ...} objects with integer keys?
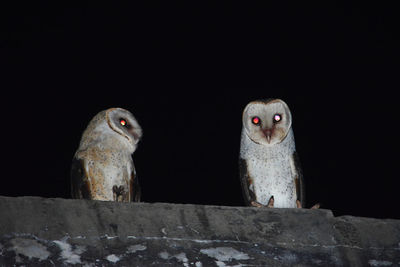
[{"x": 186, "y": 71}]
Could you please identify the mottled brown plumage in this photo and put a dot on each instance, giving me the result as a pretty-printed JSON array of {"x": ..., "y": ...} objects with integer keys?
[{"x": 102, "y": 168}]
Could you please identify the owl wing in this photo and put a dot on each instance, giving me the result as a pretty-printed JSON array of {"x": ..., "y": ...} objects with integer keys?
[
  {"x": 299, "y": 180},
  {"x": 80, "y": 186},
  {"x": 246, "y": 182},
  {"x": 135, "y": 191}
]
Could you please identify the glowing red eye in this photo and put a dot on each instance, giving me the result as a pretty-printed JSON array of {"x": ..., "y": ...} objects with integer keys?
[
  {"x": 256, "y": 120},
  {"x": 277, "y": 117},
  {"x": 123, "y": 122}
]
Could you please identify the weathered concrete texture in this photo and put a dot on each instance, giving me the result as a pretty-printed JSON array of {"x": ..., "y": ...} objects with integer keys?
[{"x": 93, "y": 233}]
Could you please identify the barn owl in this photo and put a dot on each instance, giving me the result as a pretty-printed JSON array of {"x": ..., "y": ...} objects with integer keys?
[
  {"x": 270, "y": 172},
  {"x": 102, "y": 167}
]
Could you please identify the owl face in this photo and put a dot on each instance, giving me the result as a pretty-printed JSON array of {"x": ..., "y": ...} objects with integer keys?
[
  {"x": 267, "y": 122},
  {"x": 124, "y": 123}
]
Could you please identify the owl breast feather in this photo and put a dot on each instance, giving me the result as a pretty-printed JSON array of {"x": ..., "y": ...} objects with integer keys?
[{"x": 273, "y": 178}]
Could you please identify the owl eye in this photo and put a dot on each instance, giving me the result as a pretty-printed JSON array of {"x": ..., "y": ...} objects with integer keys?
[
  {"x": 277, "y": 118},
  {"x": 256, "y": 120},
  {"x": 123, "y": 122}
]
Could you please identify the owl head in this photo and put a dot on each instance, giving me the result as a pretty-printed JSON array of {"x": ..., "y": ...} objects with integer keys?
[
  {"x": 116, "y": 122},
  {"x": 267, "y": 122},
  {"x": 124, "y": 123}
]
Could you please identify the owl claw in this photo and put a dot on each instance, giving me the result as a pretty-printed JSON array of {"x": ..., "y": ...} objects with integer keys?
[
  {"x": 256, "y": 204},
  {"x": 259, "y": 205},
  {"x": 316, "y": 206},
  {"x": 271, "y": 202},
  {"x": 118, "y": 193}
]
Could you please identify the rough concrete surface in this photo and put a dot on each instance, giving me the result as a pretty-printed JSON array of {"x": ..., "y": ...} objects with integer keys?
[{"x": 61, "y": 232}]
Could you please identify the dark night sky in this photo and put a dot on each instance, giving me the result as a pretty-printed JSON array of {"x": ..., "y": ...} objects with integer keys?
[{"x": 186, "y": 71}]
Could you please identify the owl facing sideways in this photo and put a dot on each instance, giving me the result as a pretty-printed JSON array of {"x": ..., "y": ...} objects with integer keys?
[
  {"x": 102, "y": 167},
  {"x": 270, "y": 172}
]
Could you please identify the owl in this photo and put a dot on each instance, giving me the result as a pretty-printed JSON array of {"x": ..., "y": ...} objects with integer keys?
[
  {"x": 102, "y": 167},
  {"x": 270, "y": 172}
]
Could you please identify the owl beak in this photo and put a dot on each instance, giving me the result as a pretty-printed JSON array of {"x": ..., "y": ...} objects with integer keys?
[{"x": 268, "y": 134}]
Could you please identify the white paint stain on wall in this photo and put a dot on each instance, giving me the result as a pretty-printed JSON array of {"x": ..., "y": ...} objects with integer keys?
[
  {"x": 181, "y": 257},
  {"x": 113, "y": 258},
  {"x": 135, "y": 248},
  {"x": 164, "y": 255},
  {"x": 379, "y": 263},
  {"x": 67, "y": 253},
  {"x": 225, "y": 254},
  {"x": 29, "y": 248}
]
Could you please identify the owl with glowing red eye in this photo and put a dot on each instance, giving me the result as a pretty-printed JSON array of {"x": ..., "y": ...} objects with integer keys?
[
  {"x": 102, "y": 167},
  {"x": 270, "y": 172}
]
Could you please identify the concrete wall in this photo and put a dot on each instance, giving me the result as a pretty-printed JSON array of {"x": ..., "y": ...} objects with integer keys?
[{"x": 93, "y": 233}]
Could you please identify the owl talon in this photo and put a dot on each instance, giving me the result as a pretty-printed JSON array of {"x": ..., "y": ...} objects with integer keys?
[
  {"x": 259, "y": 205},
  {"x": 316, "y": 206},
  {"x": 118, "y": 193},
  {"x": 271, "y": 202},
  {"x": 256, "y": 204}
]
